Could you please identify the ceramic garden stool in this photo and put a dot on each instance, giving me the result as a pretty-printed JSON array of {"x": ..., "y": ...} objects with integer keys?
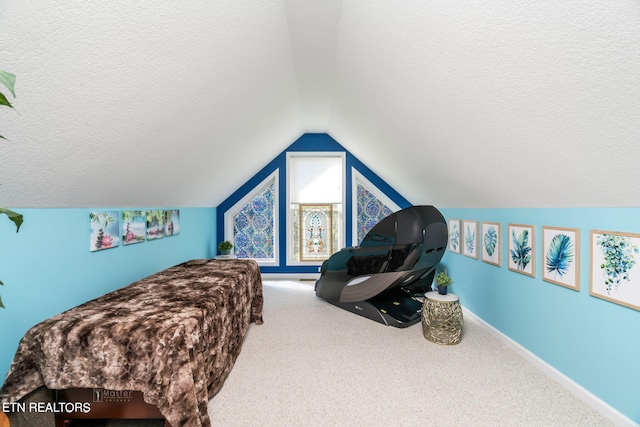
[{"x": 442, "y": 318}]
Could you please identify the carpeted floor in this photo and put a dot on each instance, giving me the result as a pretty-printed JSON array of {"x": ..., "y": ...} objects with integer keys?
[{"x": 314, "y": 364}]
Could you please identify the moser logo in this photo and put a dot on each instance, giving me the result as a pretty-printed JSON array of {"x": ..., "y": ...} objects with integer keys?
[{"x": 104, "y": 395}]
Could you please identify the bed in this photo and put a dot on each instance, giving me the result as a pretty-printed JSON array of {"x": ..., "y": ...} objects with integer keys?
[{"x": 174, "y": 336}]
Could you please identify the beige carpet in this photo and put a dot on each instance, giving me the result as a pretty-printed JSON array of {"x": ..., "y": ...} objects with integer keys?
[{"x": 313, "y": 364}]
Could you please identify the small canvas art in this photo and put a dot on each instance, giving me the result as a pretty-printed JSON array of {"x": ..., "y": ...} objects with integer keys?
[
  {"x": 172, "y": 222},
  {"x": 561, "y": 251},
  {"x": 470, "y": 234},
  {"x": 134, "y": 227},
  {"x": 104, "y": 230},
  {"x": 615, "y": 275},
  {"x": 155, "y": 224},
  {"x": 491, "y": 243},
  {"x": 521, "y": 249},
  {"x": 454, "y": 235}
]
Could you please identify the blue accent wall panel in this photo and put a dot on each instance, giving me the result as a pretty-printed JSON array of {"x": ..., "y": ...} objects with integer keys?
[
  {"x": 311, "y": 142},
  {"x": 47, "y": 267},
  {"x": 592, "y": 341}
]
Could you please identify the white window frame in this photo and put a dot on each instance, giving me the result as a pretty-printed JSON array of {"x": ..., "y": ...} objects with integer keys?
[
  {"x": 358, "y": 178},
  {"x": 232, "y": 211},
  {"x": 339, "y": 154}
]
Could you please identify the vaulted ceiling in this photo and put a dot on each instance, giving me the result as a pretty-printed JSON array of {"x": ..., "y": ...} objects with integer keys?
[{"x": 496, "y": 103}]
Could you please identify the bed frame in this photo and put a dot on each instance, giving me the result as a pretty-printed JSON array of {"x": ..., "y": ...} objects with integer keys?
[{"x": 121, "y": 405}]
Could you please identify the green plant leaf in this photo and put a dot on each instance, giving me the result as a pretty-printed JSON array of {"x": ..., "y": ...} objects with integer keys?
[
  {"x": 1, "y": 304},
  {"x": 5, "y": 101},
  {"x": 8, "y": 80},
  {"x": 490, "y": 240},
  {"x": 13, "y": 216},
  {"x": 521, "y": 253},
  {"x": 559, "y": 256}
]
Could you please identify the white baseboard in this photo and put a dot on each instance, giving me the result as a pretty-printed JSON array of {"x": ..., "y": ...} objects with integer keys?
[
  {"x": 582, "y": 393},
  {"x": 290, "y": 276}
]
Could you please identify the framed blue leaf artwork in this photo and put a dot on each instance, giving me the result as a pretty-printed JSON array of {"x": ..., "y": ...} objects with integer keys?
[
  {"x": 615, "y": 274},
  {"x": 470, "y": 238},
  {"x": 490, "y": 243},
  {"x": 455, "y": 236},
  {"x": 521, "y": 240},
  {"x": 561, "y": 256}
]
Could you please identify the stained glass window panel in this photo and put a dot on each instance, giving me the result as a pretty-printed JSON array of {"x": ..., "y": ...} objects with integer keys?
[{"x": 316, "y": 229}]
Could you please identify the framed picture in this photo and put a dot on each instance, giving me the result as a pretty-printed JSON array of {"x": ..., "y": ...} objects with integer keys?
[
  {"x": 454, "y": 235},
  {"x": 134, "y": 227},
  {"x": 522, "y": 249},
  {"x": 470, "y": 236},
  {"x": 615, "y": 275},
  {"x": 490, "y": 243},
  {"x": 172, "y": 222},
  {"x": 155, "y": 225},
  {"x": 104, "y": 230},
  {"x": 561, "y": 252}
]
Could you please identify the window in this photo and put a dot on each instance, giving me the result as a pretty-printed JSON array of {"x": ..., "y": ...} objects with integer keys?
[
  {"x": 315, "y": 216},
  {"x": 252, "y": 223},
  {"x": 371, "y": 205}
]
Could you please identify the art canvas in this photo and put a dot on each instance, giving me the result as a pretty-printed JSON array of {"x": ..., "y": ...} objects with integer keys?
[
  {"x": 172, "y": 222},
  {"x": 490, "y": 243},
  {"x": 155, "y": 224},
  {"x": 521, "y": 249},
  {"x": 104, "y": 230},
  {"x": 615, "y": 275},
  {"x": 134, "y": 227},
  {"x": 470, "y": 238},
  {"x": 454, "y": 235},
  {"x": 561, "y": 255}
]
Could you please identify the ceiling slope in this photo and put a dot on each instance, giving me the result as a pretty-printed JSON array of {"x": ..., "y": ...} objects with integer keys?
[
  {"x": 497, "y": 103},
  {"x": 493, "y": 103},
  {"x": 313, "y": 27},
  {"x": 145, "y": 103}
]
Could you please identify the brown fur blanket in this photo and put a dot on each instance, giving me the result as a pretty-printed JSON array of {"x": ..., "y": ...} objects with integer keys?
[{"x": 174, "y": 336}]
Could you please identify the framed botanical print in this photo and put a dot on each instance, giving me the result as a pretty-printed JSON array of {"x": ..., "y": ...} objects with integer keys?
[
  {"x": 454, "y": 235},
  {"x": 521, "y": 249},
  {"x": 490, "y": 243},
  {"x": 470, "y": 237},
  {"x": 561, "y": 255},
  {"x": 615, "y": 275}
]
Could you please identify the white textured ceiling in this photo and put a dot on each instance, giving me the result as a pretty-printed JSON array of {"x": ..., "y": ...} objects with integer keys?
[{"x": 496, "y": 103}]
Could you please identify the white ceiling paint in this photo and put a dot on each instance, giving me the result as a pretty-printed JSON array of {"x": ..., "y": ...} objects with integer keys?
[
  {"x": 495, "y": 103},
  {"x": 313, "y": 28}
]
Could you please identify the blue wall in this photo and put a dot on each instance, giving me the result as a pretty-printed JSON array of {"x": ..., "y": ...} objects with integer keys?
[
  {"x": 309, "y": 142},
  {"x": 592, "y": 341},
  {"x": 47, "y": 266}
]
